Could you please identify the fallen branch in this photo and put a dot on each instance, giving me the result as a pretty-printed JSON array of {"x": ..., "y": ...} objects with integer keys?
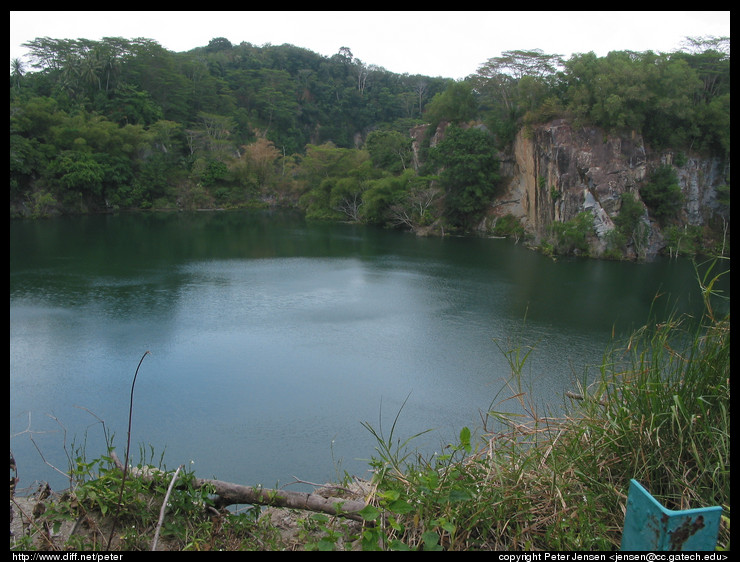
[{"x": 228, "y": 493}]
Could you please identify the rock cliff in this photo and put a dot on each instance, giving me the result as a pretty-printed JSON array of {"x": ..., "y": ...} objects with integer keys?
[{"x": 556, "y": 170}]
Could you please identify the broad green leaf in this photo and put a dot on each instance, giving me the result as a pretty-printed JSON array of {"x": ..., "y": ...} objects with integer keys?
[
  {"x": 369, "y": 513},
  {"x": 396, "y": 544},
  {"x": 431, "y": 540},
  {"x": 401, "y": 506}
]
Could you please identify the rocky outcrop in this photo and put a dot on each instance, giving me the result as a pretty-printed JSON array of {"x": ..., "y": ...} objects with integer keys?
[
  {"x": 419, "y": 141},
  {"x": 556, "y": 171}
]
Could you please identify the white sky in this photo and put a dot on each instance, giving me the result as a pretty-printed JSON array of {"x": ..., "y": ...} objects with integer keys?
[{"x": 448, "y": 44}]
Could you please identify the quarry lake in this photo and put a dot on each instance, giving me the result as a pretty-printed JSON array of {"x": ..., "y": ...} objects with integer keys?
[{"x": 272, "y": 339}]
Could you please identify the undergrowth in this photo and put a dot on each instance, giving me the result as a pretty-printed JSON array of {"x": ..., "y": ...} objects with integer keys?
[{"x": 658, "y": 410}]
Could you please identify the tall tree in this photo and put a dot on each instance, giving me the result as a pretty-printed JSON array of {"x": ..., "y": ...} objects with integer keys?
[
  {"x": 500, "y": 74},
  {"x": 456, "y": 104},
  {"x": 389, "y": 150},
  {"x": 469, "y": 173},
  {"x": 17, "y": 69},
  {"x": 257, "y": 164}
]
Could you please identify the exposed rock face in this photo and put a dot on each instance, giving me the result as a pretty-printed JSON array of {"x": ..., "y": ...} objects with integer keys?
[
  {"x": 557, "y": 171},
  {"x": 418, "y": 134}
]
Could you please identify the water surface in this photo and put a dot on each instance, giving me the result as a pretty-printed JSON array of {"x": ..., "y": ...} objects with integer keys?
[{"x": 272, "y": 340}]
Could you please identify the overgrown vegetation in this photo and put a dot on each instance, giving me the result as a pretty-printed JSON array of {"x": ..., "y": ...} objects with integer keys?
[
  {"x": 569, "y": 237},
  {"x": 508, "y": 226},
  {"x": 662, "y": 195},
  {"x": 657, "y": 410},
  {"x": 631, "y": 227},
  {"x": 91, "y": 508}
]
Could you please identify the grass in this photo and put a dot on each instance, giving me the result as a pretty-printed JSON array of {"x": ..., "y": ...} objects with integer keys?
[{"x": 657, "y": 410}]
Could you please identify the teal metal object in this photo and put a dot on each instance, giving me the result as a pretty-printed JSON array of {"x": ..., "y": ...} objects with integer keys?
[{"x": 648, "y": 526}]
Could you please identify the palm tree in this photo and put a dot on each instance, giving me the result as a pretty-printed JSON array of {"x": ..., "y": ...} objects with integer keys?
[
  {"x": 17, "y": 70},
  {"x": 90, "y": 69}
]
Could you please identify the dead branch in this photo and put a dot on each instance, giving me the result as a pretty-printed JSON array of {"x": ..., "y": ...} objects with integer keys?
[{"x": 228, "y": 493}]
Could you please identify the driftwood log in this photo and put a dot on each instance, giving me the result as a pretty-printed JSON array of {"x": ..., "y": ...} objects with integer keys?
[{"x": 228, "y": 493}]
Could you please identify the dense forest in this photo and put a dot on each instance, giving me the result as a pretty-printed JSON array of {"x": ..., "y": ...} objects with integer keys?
[{"x": 121, "y": 124}]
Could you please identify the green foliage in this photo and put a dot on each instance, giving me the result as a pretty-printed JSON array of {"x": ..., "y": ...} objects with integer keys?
[
  {"x": 389, "y": 150},
  {"x": 673, "y": 99},
  {"x": 336, "y": 179},
  {"x": 662, "y": 195},
  {"x": 630, "y": 224},
  {"x": 381, "y": 194},
  {"x": 457, "y": 104},
  {"x": 42, "y": 204},
  {"x": 723, "y": 195},
  {"x": 672, "y": 381},
  {"x": 78, "y": 171},
  {"x": 131, "y": 106},
  {"x": 683, "y": 240},
  {"x": 420, "y": 205},
  {"x": 572, "y": 237},
  {"x": 509, "y": 226},
  {"x": 122, "y": 123},
  {"x": 468, "y": 173},
  {"x": 316, "y": 203},
  {"x": 189, "y": 525},
  {"x": 214, "y": 173},
  {"x": 657, "y": 410},
  {"x": 319, "y": 533},
  {"x": 517, "y": 87},
  {"x": 204, "y": 104}
]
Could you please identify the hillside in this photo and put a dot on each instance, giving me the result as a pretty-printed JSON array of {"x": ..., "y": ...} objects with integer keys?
[{"x": 117, "y": 124}]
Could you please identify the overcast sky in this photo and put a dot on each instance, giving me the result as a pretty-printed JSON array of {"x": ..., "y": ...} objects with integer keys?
[{"x": 448, "y": 44}]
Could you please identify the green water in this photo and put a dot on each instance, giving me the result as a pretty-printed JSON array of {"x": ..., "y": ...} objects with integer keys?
[{"x": 271, "y": 340}]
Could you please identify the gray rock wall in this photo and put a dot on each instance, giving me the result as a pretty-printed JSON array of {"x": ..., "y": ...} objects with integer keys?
[{"x": 556, "y": 171}]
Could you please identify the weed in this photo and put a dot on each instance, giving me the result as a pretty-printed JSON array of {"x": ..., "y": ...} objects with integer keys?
[{"x": 657, "y": 411}]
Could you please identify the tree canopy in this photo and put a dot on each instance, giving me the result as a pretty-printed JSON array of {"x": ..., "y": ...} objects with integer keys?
[{"x": 125, "y": 123}]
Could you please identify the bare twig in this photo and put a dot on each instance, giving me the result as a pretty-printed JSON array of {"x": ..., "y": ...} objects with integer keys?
[
  {"x": 297, "y": 480},
  {"x": 64, "y": 444},
  {"x": 40, "y": 530},
  {"x": 100, "y": 420},
  {"x": 47, "y": 463},
  {"x": 27, "y": 430},
  {"x": 164, "y": 507}
]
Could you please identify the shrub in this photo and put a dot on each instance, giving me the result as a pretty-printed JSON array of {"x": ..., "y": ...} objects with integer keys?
[
  {"x": 509, "y": 226},
  {"x": 662, "y": 195},
  {"x": 571, "y": 237}
]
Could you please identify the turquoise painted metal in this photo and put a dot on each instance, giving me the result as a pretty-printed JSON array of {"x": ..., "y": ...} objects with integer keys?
[{"x": 648, "y": 526}]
